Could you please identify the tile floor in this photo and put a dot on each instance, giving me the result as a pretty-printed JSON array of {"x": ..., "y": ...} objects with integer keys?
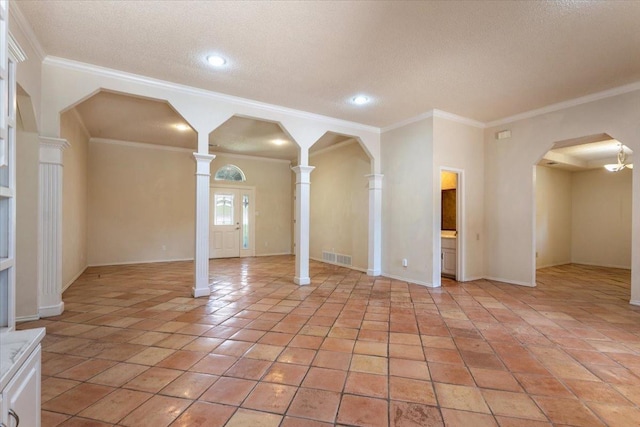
[{"x": 133, "y": 349}]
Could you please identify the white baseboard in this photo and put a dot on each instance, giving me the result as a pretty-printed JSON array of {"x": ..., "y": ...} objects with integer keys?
[
  {"x": 374, "y": 273},
  {"x": 200, "y": 292},
  {"x": 140, "y": 262},
  {"x": 404, "y": 279},
  {"x": 64, "y": 288},
  {"x": 363, "y": 270},
  {"x": 51, "y": 310},
  {"x": 552, "y": 265},
  {"x": 621, "y": 267},
  {"x": 634, "y": 302},
  {"x": 31, "y": 318},
  {"x": 275, "y": 254},
  {"x": 471, "y": 279},
  {"x": 510, "y": 282}
]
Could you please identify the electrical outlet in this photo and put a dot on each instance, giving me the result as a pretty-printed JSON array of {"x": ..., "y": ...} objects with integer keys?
[{"x": 405, "y": 262}]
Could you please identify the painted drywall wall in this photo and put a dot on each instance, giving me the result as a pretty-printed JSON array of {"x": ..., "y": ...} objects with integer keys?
[
  {"x": 601, "y": 218},
  {"x": 27, "y": 180},
  {"x": 141, "y": 204},
  {"x": 340, "y": 203},
  {"x": 458, "y": 146},
  {"x": 74, "y": 198},
  {"x": 553, "y": 216},
  {"x": 407, "y": 202},
  {"x": 272, "y": 182},
  {"x": 509, "y": 198}
]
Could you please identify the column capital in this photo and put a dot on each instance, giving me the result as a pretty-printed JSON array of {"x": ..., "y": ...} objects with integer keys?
[
  {"x": 51, "y": 149},
  {"x": 302, "y": 173},
  {"x": 375, "y": 181},
  {"x": 203, "y": 163}
]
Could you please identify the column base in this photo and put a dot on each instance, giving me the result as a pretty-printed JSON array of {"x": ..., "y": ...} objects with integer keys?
[
  {"x": 371, "y": 272},
  {"x": 200, "y": 292},
  {"x": 301, "y": 281},
  {"x": 51, "y": 310}
]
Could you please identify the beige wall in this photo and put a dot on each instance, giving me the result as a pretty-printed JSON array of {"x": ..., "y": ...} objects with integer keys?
[
  {"x": 27, "y": 159},
  {"x": 407, "y": 202},
  {"x": 460, "y": 147},
  {"x": 553, "y": 216},
  {"x": 74, "y": 198},
  {"x": 272, "y": 182},
  {"x": 601, "y": 218},
  {"x": 340, "y": 203},
  {"x": 509, "y": 183},
  {"x": 141, "y": 204}
]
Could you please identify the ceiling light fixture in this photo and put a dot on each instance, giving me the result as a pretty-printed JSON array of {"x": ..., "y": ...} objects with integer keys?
[
  {"x": 216, "y": 60},
  {"x": 622, "y": 158},
  {"x": 360, "y": 100},
  {"x": 279, "y": 141},
  {"x": 182, "y": 127}
]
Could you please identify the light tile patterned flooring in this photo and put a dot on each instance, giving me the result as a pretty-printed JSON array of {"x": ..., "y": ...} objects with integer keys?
[{"x": 133, "y": 349}]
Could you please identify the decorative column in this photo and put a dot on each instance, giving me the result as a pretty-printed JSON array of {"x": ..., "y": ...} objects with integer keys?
[
  {"x": 201, "y": 258},
  {"x": 301, "y": 229},
  {"x": 50, "y": 227},
  {"x": 375, "y": 225}
]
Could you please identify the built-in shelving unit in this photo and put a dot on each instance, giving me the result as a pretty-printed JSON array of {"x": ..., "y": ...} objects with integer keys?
[{"x": 7, "y": 176}]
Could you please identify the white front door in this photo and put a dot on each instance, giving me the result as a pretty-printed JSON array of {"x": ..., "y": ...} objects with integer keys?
[{"x": 224, "y": 241}]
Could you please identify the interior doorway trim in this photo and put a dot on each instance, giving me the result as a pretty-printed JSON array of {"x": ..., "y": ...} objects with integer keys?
[
  {"x": 251, "y": 192},
  {"x": 460, "y": 226}
]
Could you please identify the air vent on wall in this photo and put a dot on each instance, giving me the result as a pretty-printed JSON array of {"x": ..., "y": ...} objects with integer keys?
[
  {"x": 338, "y": 259},
  {"x": 329, "y": 257}
]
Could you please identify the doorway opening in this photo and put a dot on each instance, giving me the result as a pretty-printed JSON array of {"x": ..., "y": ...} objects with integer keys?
[
  {"x": 232, "y": 210},
  {"x": 450, "y": 224}
]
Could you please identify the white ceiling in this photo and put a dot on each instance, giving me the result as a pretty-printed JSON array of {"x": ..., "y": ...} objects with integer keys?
[
  {"x": 585, "y": 156},
  {"x": 481, "y": 60}
]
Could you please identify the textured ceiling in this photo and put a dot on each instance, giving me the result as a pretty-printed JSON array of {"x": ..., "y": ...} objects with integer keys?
[
  {"x": 481, "y": 60},
  {"x": 585, "y": 156}
]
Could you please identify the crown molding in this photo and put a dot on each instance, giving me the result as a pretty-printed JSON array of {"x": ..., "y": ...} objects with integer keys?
[
  {"x": 15, "y": 50},
  {"x": 145, "y": 145},
  {"x": 409, "y": 121},
  {"x": 27, "y": 30},
  {"x": 333, "y": 147},
  {"x": 456, "y": 118},
  {"x": 248, "y": 157},
  {"x": 190, "y": 90},
  {"x": 566, "y": 104}
]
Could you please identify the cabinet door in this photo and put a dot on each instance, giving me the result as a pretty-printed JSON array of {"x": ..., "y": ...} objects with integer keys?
[
  {"x": 449, "y": 261},
  {"x": 22, "y": 394}
]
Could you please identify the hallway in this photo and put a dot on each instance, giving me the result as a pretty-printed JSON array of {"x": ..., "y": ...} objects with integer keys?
[{"x": 134, "y": 349}]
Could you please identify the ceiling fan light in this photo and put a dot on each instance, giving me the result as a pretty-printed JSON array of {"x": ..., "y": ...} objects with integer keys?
[{"x": 612, "y": 167}]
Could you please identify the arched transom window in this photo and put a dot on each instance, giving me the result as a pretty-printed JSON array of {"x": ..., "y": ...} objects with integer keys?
[{"x": 230, "y": 173}]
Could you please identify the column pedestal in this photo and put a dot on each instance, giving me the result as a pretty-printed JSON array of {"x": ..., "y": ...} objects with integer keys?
[
  {"x": 375, "y": 225},
  {"x": 201, "y": 258},
  {"x": 301, "y": 229},
  {"x": 50, "y": 227}
]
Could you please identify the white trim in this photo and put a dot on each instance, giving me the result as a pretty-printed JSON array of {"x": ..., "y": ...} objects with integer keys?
[
  {"x": 274, "y": 254},
  {"x": 333, "y": 147},
  {"x": 27, "y": 318},
  {"x": 69, "y": 283},
  {"x": 566, "y": 104},
  {"x": 509, "y": 281},
  {"x": 471, "y": 279},
  {"x": 26, "y": 29},
  {"x": 350, "y": 267},
  {"x": 78, "y": 117},
  {"x": 15, "y": 50},
  {"x": 408, "y": 121},
  {"x": 51, "y": 310},
  {"x": 404, "y": 279},
  {"x": 552, "y": 265},
  {"x": 108, "y": 264},
  {"x": 146, "y": 145},
  {"x": 200, "y": 292},
  {"x": 620, "y": 267},
  {"x": 635, "y": 302},
  {"x": 189, "y": 90},
  {"x": 248, "y": 157},
  {"x": 456, "y": 118}
]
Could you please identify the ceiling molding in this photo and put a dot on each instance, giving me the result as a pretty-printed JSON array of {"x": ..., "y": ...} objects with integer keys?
[
  {"x": 248, "y": 157},
  {"x": 145, "y": 145},
  {"x": 189, "y": 90},
  {"x": 333, "y": 147},
  {"x": 15, "y": 50},
  {"x": 409, "y": 121},
  {"x": 25, "y": 27},
  {"x": 566, "y": 104},
  {"x": 460, "y": 119}
]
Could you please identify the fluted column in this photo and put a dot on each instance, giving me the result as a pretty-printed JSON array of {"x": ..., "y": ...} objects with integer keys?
[
  {"x": 375, "y": 225},
  {"x": 201, "y": 258},
  {"x": 50, "y": 227},
  {"x": 301, "y": 229}
]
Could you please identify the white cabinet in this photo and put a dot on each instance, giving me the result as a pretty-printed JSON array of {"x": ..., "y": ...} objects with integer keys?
[
  {"x": 21, "y": 397},
  {"x": 448, "y": 257}
]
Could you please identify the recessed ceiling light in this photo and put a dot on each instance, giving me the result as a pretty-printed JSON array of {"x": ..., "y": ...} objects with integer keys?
[
  {"x": 216, "y": 60},
  {"x": 279, "y": 141},
  {"x": 360, "y": 100},
  {"x": 182, "y": 127}
]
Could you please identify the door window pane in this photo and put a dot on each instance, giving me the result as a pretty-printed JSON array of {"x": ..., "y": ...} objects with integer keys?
[
  {"x": 224, "y": 209},
  {"x": 245, "y": 221}
]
